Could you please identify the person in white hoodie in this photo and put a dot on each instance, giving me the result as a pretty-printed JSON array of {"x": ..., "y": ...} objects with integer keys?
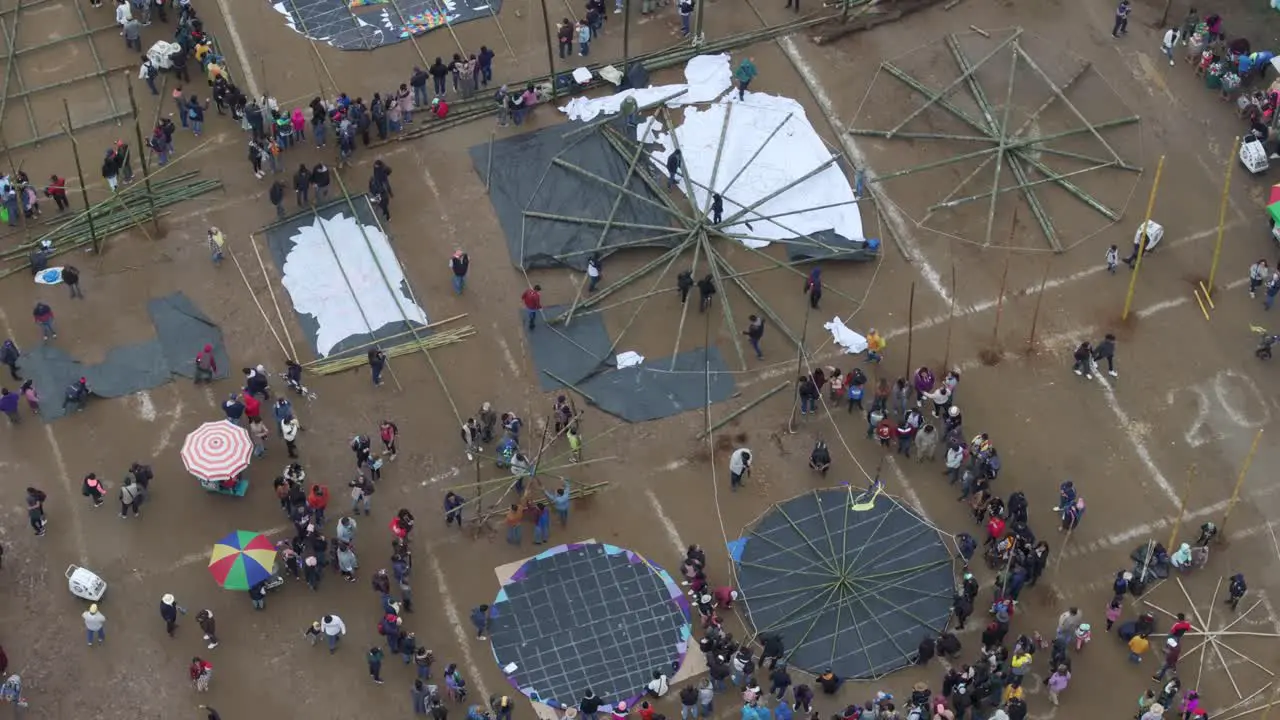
[
  {"x": 123, "y": 14},
  {"x": 333, "y": 629},
  {"x": 94, "y": 622},
  {"x": 1168, "y": 43}
]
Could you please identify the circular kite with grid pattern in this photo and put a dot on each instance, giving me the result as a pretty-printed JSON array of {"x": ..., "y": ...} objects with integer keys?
[
  {"x": 217, "y": 451},
  {"x": 588, "y": 616},
  {"x": 852, "y": 580}
]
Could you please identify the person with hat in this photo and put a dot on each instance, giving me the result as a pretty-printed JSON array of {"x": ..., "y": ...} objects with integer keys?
[
  {"x": 619, "y": 711},
  {"x": 1154, "y": 712},
  {"x": 1172, "y": 652},
  {"x": 169, "y": 610},
  {"x": 94, "y": 623}
]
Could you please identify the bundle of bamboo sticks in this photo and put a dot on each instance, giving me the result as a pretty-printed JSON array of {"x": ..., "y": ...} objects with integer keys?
[
  {"x": 435, "y": 340},
  {"x": 110, "y": 216}
]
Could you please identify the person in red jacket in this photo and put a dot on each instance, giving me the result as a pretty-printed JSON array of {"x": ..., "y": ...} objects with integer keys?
[
  {"x": 57, "y": 190},
  {"x": 252, "y": 407},
  {"x": 318, "y": 501},
  {"x": 532, "y": 299},
  {"x": 206, "y": 365}
]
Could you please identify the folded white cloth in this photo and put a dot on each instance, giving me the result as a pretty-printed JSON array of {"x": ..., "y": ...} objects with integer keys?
[
  {"x": 852, "y": 342},
  {"x": 628, "y": 359}
]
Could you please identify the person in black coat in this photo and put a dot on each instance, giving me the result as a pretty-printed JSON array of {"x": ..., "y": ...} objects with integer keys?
[{"x": 276, "y": 195}]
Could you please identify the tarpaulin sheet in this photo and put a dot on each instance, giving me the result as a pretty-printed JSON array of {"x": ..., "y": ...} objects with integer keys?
[
  {"x": 657, "y": 390},
  {"x": 516, "y": 183},
  {"x": 571, "y": 351},
  {"x": 181, "y": 332}
]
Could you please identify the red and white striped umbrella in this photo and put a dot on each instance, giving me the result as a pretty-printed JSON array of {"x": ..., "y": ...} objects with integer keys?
[{"x": 217, "y": 451}]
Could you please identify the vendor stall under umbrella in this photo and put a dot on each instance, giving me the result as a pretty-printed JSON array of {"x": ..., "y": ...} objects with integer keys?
[{"x": 218, "y": 454}]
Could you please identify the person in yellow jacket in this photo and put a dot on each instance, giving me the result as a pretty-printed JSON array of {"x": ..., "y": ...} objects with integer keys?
[{"x": 875, "y": 346}]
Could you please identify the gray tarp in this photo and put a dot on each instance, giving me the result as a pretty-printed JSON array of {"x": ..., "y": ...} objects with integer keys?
[
  {"x": 517, "y": 184},
  {"x": 653, "y": 390},
  {"x": 181, "y": 332}
]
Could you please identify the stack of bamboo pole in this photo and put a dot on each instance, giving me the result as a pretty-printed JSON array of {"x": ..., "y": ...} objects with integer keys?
[
  {"x": 110, "y": 216},
  {"x": 435, "y": 340}
]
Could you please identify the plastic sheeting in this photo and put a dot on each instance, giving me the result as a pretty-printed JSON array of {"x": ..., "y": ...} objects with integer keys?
[
  {"x": 656, "y": 390},
  {"x": 333, "y": 22},
  {"x": 707, "y": 77},
  {"x": 338, "y": 299},
  {"x": 181, "y": 332},
  {"x": 571, "y": 351},
  {"x": 852, "y": 342},
  {"x": 517, "y": 183},
  {"x": 754, "y": 166}
]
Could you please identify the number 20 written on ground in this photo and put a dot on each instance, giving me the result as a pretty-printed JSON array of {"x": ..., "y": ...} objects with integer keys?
[{"x": 1218, "y": 391}]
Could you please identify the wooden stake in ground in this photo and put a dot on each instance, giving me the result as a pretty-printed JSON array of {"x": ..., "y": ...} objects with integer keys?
[
  {"x": 143, "y": 156},
  {"x": 1004, "y": 283},
  {"x": 1182, "y": 507},
  {"x": 551, "y": 61},
  {"x": 84, "y": 192},
  {"x": 1235, "y": 493},
  {"x": 951, "y": 316},
  {"x": 911, "y": 314},
  {"x": 1035, "y": 316},
  {"x": 1142, "y": 242}
]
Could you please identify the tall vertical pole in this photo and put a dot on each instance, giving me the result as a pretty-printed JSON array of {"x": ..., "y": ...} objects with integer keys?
[
  {"x": 1235, "y": 494},
  {"x": 84, "y": 190},
  {"x": 13, "y": 182},
  {"x": 144, "y": 156},
  {"x": 1222, "y": 218},
  {"x": 1004, "y": 282},
  {"x": 1182, "y": 507},
  {"x": 911, "y": 319},
  {"x": 1035, "y": 316},
  {"x": 697, "y": 22},
  {"x": 626, "y": 36},
  {"x": 551, "y": 57},
  {"x": 951, "y": 316},
  {"x": 1142, "y": 242}
]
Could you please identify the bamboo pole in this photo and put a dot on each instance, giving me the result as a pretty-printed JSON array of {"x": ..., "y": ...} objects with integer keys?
[
  {"x": 736, "y": 413},
  {"x": 955, "y": 83},
  {"x": 254, "y": 295},
  {"x": 951, "y": 316},
  {"x": 551, "y": 61},
  {"x": 593, "y": 124},
  {"x": 22, "y": 218},
  {"x": 1035, "y": 316},
  {"x": 1222, "y": 219},
  {"x": 624, "y": 281},
  {"x": 571, "y": 386},
  {"x": 1235, "y": 492},
  {"x": 1004, "y": 284},
  {"x": 911, "y": 315},
  {"x": 1142, "y": 241},
  {"x": 1063, "y": 98},
  {"x": 271, "y": 290},
  {"x": 622, "y": 190},
  {"x": 590, "y": 221},
  {"x": 821, "y": 167},
  {"x": 69, "y": 129},
  {"x": 752, "y": 295},
  {"x": 349, "y": 352},
  {"x": 1015, "y": 145},
  {"x": 1054, "y": 178},
  {"x": 1000, "y": 151},
  {"x": 144, "y": 156},
  {"x": 1182, "y": 507},
  {"x": 726, "y": 311},
  {"x": 684, "y": 306}
]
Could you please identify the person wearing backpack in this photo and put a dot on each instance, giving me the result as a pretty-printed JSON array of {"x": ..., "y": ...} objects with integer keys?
[
  {"x": 195, "y": 114},
  {"x": 148, "y": 73},
  {"x": 94, "y": 489}
]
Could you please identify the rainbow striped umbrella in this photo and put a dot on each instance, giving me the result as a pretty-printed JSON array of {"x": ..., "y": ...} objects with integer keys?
[{"x": 242, "y": 559}]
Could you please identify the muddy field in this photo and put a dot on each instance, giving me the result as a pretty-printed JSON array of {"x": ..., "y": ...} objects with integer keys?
[{"x": 1189, "y": 391}]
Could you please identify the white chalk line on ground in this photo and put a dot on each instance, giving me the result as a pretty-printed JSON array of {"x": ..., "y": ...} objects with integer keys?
[
  {"x": 908, "y": 493},
  {"x": 889, "y": 210},
  {"x": 670, "y": 527},
  {"x": 246, "y": 67},
  {"x": 68, "y": 487},
  {"x": 455, "y": 621},
  {"x": 1144, "y": 531}
]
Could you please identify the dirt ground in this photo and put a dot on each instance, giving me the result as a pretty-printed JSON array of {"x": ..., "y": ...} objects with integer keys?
[{"x": 1189, "y": 390}]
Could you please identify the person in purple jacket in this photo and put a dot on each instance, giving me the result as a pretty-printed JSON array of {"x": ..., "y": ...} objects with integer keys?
[
  {"x": 924, "y": 382},
  {"x": 9, "y": 404}
]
